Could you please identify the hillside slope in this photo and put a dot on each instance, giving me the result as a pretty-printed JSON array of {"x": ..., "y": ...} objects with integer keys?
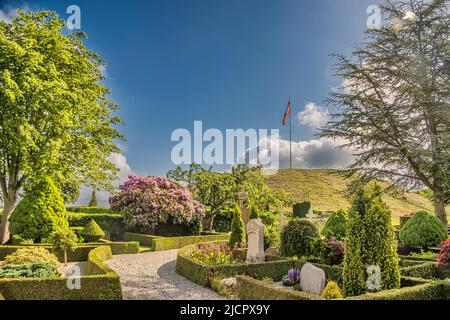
[{"x": 324, "y": 189}]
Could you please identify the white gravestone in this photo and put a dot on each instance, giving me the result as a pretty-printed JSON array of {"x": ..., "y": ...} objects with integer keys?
[
  {"x": 312, "y": 279},
  {"x": 255, "y": 238}
]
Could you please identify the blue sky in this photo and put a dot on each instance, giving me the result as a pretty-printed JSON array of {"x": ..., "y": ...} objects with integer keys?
[{"x": 229, "y": 63}]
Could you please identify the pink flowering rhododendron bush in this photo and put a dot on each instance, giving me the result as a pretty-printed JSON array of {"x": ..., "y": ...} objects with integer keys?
[{"x": 157, "y": 205}]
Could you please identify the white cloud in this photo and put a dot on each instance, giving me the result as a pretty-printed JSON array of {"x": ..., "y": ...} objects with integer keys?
[
  {"x": 102, "y": 196},
  {"x": 320, "y": 153},
  {"x": 313, "y": 116}
]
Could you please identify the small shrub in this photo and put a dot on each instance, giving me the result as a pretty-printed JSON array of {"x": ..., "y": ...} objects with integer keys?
[
  {"x": 35, "y": 270},
  {"x": 93, "y": 201},
  {"x": 329, "y": 252},
  {"x": 332, "y": 291},
  {"x": 40, "y": 212},
  {"x": 222, "y": 221},
  {"x": 64, "y": 239},
  {"x": 92, "y": 232},
  {"x": 237, "y": 236},
  {"x": 31, "y": 255},
  {"x": 444, "y": 255},
  {"x": 297, "y": 238},
  {"x": 300, "y": 210},
  {"x": 423, "y": 230},
  {"x": 336, "y": 224}
]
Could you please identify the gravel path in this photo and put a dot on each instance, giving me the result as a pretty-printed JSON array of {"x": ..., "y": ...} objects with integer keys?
[{"x": 151, "y": 276}]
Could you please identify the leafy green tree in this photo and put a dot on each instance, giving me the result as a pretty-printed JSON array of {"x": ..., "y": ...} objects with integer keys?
[
  {"x": 237, "y": 228},
  {"x": 393, "y": 105},
  {"x": 370, "y": 241},
  {"x": 63, "y": 239},
  {"x": 336, "y": 225},
  {"x": 55, "y": 116},
  {"x": 40, "y": 212},
  {"x": 93, "y": 201}
]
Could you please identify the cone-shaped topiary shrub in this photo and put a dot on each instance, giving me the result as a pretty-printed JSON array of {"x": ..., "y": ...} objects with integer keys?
[
  {"x": 423, "y": 230},
  {"x": 40, "y": 212},
  {"x": 336, "y": 225},
  {"x": 370, "y": 245},
  {"x": 93, "y": 201},
  {"x": 297, "y": 238},
  {"x": 92, "y": 232},
  {"x": 237, "y": 228},
  {"x": 332, "y": 291}
]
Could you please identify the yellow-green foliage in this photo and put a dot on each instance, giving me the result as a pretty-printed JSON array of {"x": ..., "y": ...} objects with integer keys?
[
  {"x": 31, "y": 255},
  {"x": 40, "y": 212},
  {"x": 336, "y": 225},
  {"x": 370, "y": 241},
  {"x": 92, "y": 232},
  {"x": 332, "y": 291},
  {"x": 423, "y": 230}
]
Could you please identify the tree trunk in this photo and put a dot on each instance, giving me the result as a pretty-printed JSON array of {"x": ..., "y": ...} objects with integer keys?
[
  {"x": 439, "y": 207},
  {"x": 4, "y": 227},
  {"x": 65, "y": 258}
]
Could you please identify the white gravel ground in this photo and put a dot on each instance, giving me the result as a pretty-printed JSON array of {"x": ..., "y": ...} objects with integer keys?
[{"x": 151, "y": 276}]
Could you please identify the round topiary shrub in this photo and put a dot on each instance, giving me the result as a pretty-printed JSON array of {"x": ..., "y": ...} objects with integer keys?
[
  {"x": 156, "y": 205},
  {"x": 336, "y": 225},
  {"x": 92, "y": 232},
  {"x": 237, "y": 228},
  {"x": 423, "y": 230},
  {"x": 40, "y": 212},
  {"x": 297, "y": 238}
]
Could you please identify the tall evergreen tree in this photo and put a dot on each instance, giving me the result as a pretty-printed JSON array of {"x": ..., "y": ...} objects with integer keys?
[
  {"x": 370, "y": 242},
  {"x": 393, "y": 107}
]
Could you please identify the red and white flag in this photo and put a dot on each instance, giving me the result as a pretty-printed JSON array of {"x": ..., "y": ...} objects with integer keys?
[{"x": 287, "y": 113}]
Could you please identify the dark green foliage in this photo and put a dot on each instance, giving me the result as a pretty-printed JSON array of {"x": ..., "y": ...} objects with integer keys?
[
  {"x": 35, "y": 270},
  {"x": 254, "y": 213},
  {"x": 92, "y": 232},
  {"x": 329, "y": 252},
  {"x": 40, "y": 212},
  {"x": 423, "y": 230},
  {"x": 237, "y": 228},
  {"x": 297, "y": 238},
  {"x": 425, "y": 270},
  {"x": 370, "y": 241},
  {"x": 336, "y": 225},
  {"x": 300, "y": 210},
  {"x": 222, "y": 221},
  {"x": 93, "y": 201}
]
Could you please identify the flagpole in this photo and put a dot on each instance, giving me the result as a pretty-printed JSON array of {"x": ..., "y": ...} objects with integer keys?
[{"x": 290, "y": 136}]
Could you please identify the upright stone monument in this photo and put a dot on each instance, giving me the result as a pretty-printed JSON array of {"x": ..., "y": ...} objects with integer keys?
[
  {"x": 255, "y": 236},
  {"x": 312, "y": 279}
]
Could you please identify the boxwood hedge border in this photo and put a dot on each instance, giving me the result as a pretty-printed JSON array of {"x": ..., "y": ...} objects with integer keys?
[
  {"x": 100, "y": 283},
  {"x": 157, "y": 243}
]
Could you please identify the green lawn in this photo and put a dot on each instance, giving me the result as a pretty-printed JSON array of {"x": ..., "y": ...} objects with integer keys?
[{"x": 324, "y": 189}]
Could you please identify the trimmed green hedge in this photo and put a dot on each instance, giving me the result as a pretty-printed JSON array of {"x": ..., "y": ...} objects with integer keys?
[
  {"x": 415, "y": 289},
  {"x": 426, "y": 270},
  {"x": 252, "y": 289},
  {"x": 93, "y": 210},
  {"x": 101, "y": 283},
  {"x": 156, "y": 243},
  {"x": 110, "y": 223},
  {"x": 201, "y": 273},
  {"x": 426, "y": 291},
  {"x": 81, "y": 252}
]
